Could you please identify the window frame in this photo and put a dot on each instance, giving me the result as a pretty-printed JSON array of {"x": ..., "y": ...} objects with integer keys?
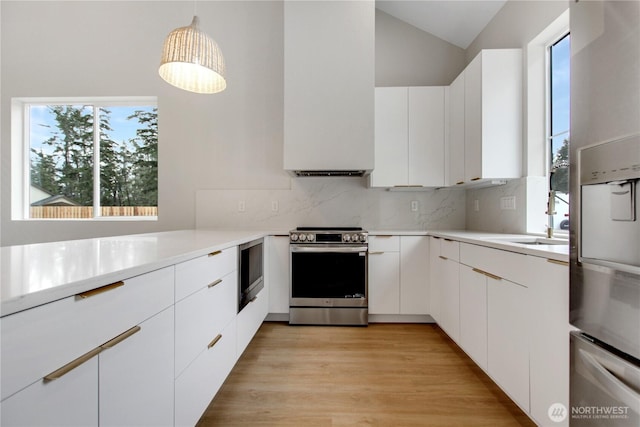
[
  {"x": 21, "y": 148},
  {"x": 549, "y": 136}
]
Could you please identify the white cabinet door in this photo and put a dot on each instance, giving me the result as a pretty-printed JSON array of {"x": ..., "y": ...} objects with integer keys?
[
  {"x": 71, "y": 400},
  {"x": 456, "y": 130},
  {"x": 136, "y": 376},
  {"x": 414, "y": 275},
  {"x": 384, "y": 282},
  {"x": 277, "y": 273},
  {"x": 450, "y": 298},
  {"x": 493, "y": 115},
  {"x": 426, "y": 136},
  {"x": 508, "y": 338},
  {"x": 549, "y": 364},
  {"x": 434, "y": 278},
  {"x": 391, "y": 136},
  {"x": 250, "y": 319},
  {"x": 473, "y": 314}
]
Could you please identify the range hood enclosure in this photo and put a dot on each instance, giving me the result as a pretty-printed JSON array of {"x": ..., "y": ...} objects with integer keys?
[{"x": 329, "y": 87}]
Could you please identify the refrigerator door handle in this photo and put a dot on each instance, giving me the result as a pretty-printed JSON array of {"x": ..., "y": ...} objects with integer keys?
[{"x": 610, "y": 382}]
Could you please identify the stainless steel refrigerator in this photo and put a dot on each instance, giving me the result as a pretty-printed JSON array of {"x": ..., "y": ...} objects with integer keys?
[{"x": 605, "y": 222}]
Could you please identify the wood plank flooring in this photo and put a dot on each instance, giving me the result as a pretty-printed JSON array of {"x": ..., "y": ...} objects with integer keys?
[{"x": 380, "y": 375}]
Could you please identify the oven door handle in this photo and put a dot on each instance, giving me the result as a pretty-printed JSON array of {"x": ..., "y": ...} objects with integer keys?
[{"x": 327, "y": 249}]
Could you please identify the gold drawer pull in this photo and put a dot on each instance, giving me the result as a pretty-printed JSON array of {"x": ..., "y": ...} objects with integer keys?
[
  {"x": 408, "y": 186},
  {"x": 459, "y": 182},
  {"x": 215, "y": 340},
  {"x": 555, "y": 261},
  {"x": 123, "y": 336},
  {"x": 214, "y": 253},
  {"x": 217, "y": 282},
  {"x": 253, "y": 299},
  {"x": 376, "y": 253},
  {"x": 475, "y": 179},
  {"x": 72, "y": 365},
  {"x": 493, "y": 276},
  {"x": 443, "y": 257},
  {"x": 99, "y": 290}
]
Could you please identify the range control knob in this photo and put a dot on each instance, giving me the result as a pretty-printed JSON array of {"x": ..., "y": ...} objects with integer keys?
[
  {"x": 346, "y": 238},
  {"x": 363, "y": 237},
  {"x": 354, "y": 238},
  {"x": 310, "y": 237},
  {"x": 294, "y": 237},
  {"x": 303, "y": 237}
]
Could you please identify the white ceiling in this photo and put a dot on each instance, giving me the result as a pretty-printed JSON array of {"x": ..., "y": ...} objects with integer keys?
[{"x": 457, "y": 21}]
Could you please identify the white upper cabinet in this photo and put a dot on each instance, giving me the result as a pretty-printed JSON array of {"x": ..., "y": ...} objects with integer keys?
[
  {"x": 329, "y": 85},
  {"x": 489, "y": 121},
  {"x": 410, "y": 126}
]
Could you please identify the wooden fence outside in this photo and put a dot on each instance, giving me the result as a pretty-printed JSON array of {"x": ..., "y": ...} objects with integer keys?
[{"x": 74, "y": 212}]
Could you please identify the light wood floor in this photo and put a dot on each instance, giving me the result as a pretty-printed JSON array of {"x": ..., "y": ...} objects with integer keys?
[{"x": 380, "y": 375}]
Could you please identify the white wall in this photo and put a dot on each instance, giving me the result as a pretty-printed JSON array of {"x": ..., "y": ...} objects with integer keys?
[
  {"x": 408, "y": 56},
  {"x": 221, "y": 146},
  {"x": 515, "y": 26},
  {"x": 228, "y": 140}
]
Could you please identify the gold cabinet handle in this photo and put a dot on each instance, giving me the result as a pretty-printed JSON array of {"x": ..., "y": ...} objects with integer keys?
[
  {"x": 475, "y": 179},
  {"x": 123, "y": 336},
  {"x": 217, "y": 282},
  {"x": 99, "y": 290},
  {"x": 376, "y": 253},
  {"x": 383, "y": 236},
  {"x": 408, "y": 186},
  {"x": 71, "y": 365},
  {"x": 555, "y": 261},
  {"x": 459, "y": 182},
  {"x": 253, "y": 299},
  {"x": 493, "y": 276},
  {"x": 214, "y": 253},
  {"x": 443, "y": 257},
  {"x": 215, "y": 340}
]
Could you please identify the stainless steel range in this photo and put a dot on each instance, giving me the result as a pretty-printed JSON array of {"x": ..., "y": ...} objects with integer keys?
[{"x": 329, "y": 284}]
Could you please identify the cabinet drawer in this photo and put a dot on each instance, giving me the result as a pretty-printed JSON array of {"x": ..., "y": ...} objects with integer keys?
[
  {"x": 504, "y": 264},
  {"x": 384, "y": 243},
  {"x": 450, "y": 249},
  {"x": 38, "y": 341},
  {"x": 202, "y": 314},
  {"x": 250, "y": 319},
  {"x": 199, "y": 383},
  {"x": 197, "y": 273}
]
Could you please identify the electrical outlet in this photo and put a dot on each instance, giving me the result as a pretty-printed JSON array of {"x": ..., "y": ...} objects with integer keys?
[
  {"x": 241, "y": 206},
  {"x": 508, "y": 203},
  {"x": 274, "y": 206},
  {"x": 414, "y": 206}
]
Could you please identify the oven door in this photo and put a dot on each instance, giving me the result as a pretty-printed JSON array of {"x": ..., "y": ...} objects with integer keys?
[{"x": 328, "y": 276}]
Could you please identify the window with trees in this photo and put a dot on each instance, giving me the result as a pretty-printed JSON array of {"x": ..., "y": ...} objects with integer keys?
[
  {"x": 91, "y": 158},
  {"x": 558, "y": 132}
]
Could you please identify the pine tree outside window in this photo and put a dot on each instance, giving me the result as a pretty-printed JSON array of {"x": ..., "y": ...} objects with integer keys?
[{"x": 90, "y": 158}]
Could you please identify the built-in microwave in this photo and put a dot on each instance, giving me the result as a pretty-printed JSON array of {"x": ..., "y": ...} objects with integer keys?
[{"x": 250, "y": 271}]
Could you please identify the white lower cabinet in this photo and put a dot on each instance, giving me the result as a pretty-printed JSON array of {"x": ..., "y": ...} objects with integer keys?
[
  {"x": 136, "y": 376},
  {"x": 434, "y": 278},
  {"x": 450, "y": 297},
  {"x": 399, "y": 275},
  {"x": 508, "y": 338},
  {"x": 549, "y": 356},
  {"x": 277, "y": 272},
  {"x": 473, "y": 314},
  {"x": 197, "y": 385},
  {"x": 71, "y": 400},
  {"x": 250, "y": 319}
]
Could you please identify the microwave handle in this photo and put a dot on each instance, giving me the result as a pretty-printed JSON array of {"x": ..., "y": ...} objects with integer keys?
[{"x": 320, "y": 249}]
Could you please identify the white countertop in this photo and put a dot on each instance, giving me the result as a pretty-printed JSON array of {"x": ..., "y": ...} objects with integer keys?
[
  {"x": 36, "y": 274},
  {"x": 501, "y": 241}
]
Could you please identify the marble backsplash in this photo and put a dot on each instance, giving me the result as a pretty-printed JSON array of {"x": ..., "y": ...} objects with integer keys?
[{"x": 330, "y": 202}]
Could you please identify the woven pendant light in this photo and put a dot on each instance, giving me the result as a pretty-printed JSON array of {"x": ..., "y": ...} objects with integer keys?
[{"x": 192, "y": 61}]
